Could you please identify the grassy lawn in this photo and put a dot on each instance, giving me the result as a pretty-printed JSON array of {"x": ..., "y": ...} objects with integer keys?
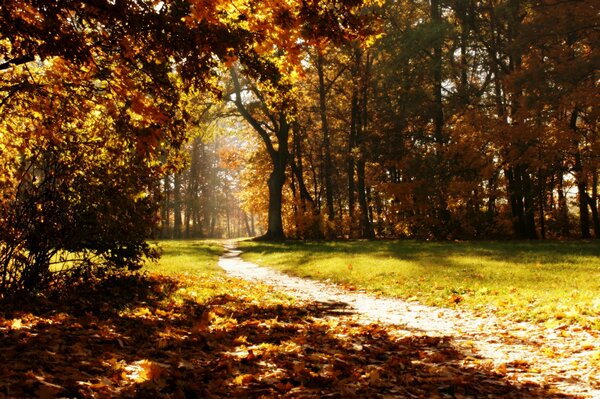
[
  {"x": 551, "y": 282},
  {"x": 192, "y": 257}
]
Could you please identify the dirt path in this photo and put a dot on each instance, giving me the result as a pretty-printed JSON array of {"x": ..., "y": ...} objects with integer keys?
[{"x": 565, "y": 358}]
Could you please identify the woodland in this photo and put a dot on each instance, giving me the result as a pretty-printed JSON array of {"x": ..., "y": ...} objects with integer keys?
[
  {"x": 339, "y": 119},
  {"x": 122, "y": 121},
  {"x": 447, "y": 120}
]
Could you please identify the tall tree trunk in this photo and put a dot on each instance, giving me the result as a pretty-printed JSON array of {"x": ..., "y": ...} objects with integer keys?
[
  {"x": 328, "y": 167},
  {"x": 541, "y": 200},
  {"x": 247, "y": 225},
  {"x": 192, "y": 187},
  {"x": 354, "y": 116},
  {"x": 515, "y": 193},
  {"x": 581, "y": 178},
  {"x": 362, "y": 124},
  {"x": 593, "y": 202},
  {"x": 529, "y": 206},
  {"x": 177, "y": 222},
  {"x": 166, "y": 214},
  {"x": 563, "y": 209},
  {"x": 297, "y": 166},
  {"x": 279, "y": 159},
  {"x": 584, "y": 216},
  {"x": 463, "y": 15},
  {"x": 227, "y": 216},
  {"x": 438, "y": 113},
  {"x": 187, "y": 217},
  {"x": 275, "y": 184},
  {"x": 353, "y": 138},
  {"x": 491, "y": 203},
  {"x": 441, "y": 170}
]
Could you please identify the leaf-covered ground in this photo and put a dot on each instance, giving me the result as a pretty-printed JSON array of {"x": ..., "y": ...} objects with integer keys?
[{"x": 150, "y": 336}]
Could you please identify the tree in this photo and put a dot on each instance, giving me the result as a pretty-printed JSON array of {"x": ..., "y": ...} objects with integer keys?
[{"x": 275, "y": 138}]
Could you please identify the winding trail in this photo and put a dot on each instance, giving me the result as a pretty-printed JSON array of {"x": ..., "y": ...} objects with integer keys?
[{"x": 565, "y": 358}]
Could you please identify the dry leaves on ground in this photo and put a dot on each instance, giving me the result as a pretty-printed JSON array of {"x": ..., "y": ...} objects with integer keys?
[{"x": 143, "y": 336}]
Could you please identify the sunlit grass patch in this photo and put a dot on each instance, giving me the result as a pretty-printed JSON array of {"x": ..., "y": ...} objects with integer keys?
[
  {"x": 192, "y": 257},
  {"x": 194, "y": 263},
  {"x": 552, "y": 282}
]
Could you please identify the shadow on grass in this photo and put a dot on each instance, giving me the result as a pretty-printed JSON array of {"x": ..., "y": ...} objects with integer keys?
[
  {"x": 124, "y": 337},
  {"x": 430, "y": 253},
  {"x": 189, "y": 247}
]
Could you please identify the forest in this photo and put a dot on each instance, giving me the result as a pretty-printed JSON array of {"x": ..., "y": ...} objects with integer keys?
[
  {"x": 422, "y": 119},
  {"x": 445, "y": 120},
  {"x": 416, "y": 183}
]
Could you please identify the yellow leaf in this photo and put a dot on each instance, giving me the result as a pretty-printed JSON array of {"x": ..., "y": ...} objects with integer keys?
[
  {"x": 501, "y": 369},
  {"x": 549, "y": 352},
  {"x": 143, "y": 312},
  {"x": 243, "y": 379},
  {"x": 588, "y": 346},
  {"x": 145, "y": 370},
  {"x": 154, "y": 371},
  {"x": 16, "y": 324}
]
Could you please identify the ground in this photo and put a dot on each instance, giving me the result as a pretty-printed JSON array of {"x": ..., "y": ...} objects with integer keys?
[
  {"x": 256, "y": 333},
  {"x": 564, "y": 358}
]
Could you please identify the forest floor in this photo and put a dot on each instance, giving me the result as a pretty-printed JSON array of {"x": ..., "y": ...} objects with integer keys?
[
  {"x": 186, "y": 329},
  {"x": 563, "y": 359}
]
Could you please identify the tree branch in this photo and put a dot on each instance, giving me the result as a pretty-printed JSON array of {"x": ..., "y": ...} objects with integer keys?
[
  {"x": 16, "y": 61},
  {"x": 264, "y": 135}
]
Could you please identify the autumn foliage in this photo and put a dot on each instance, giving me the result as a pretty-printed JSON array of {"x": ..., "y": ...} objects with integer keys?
[
  {"x": 93, "y": 116},
  {"x": 446, "y": 120},
  {"x": 433, "y": 119}
]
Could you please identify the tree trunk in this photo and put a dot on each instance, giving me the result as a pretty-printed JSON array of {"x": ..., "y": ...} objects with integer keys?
[
  {"x": 350, "y": 157},
  {"x": 247, "y": 225},
  {"x": 275, "y": 184},
  {"x": 584, "y": 216},
  {"x": 437, "y": 76},
  {"x": 166, "y": 213},
  {"x": 462, "y": 11},
  {"x": 366, "y": 226},
  {"x": 278, "y": 155},
  {"x": 441, "y": 169},
  {"x": 593, "y": 201},
  {"x": 529, "y": 208},
  {"x": 563, "y": 209},
  {"x": 581, "y": 178},
  {"x": 541, "y": 199},
  {"x": 177, "y": 222},
  {"x": 517, "y": 205},
  {"x": 298, "y": 169},
  {"x": 328, "y": 168}
]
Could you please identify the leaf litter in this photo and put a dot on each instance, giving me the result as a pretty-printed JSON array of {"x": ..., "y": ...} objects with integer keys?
[{"x": 139, "y": 335}]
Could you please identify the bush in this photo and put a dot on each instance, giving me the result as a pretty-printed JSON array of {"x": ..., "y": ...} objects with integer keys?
[{"x": 76, "y": 207}]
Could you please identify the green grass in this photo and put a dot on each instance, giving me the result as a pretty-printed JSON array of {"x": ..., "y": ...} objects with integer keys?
[
  {"x": 193, "y": 265},
  {"x": 191, "y": 257},
  {"x": 552, "y": 282}
]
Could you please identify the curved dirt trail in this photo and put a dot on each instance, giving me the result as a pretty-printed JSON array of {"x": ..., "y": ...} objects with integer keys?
[{"x": 565, "y": 358}]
